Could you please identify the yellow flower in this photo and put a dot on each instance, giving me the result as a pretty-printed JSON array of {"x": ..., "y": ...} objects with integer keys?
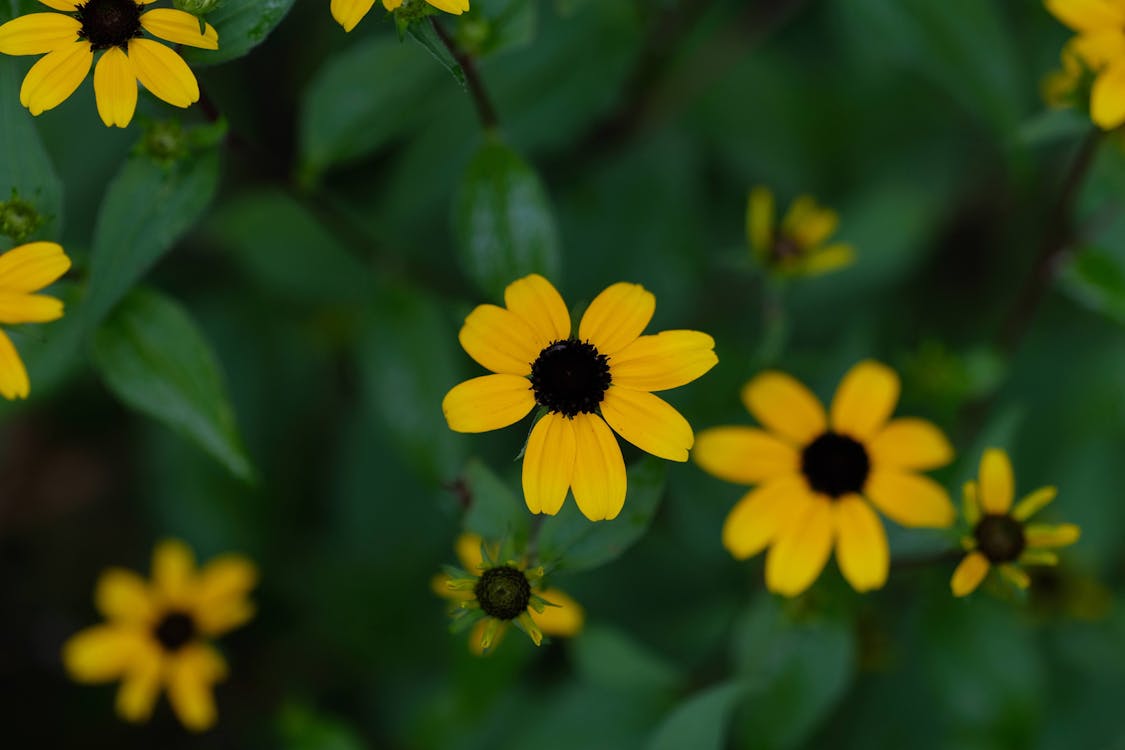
[
  {"x": 1061, "y": 88},
  {"x": 1100, "y": 45},
  {"x": 797, "y": 248},
  {"x": 156, "y": 634},
  {"x": 820, "y": 473},
  {"x": 24, "y": 270},
  {"x": 1002, "y": 536},
  {"x": 348, "y": 13},
  {"x": 604, "y": 374},
  {"x": 68, "y": 41},
  {"x": 497, "y": 595}
]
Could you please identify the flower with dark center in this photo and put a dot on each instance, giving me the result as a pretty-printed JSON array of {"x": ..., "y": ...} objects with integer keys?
[
  {"x": 570, "y": 377},
  {"x": 798, "y": 247},
  {"x": 503, "y": 592},
  {"x": 835, "y": 465},
  {"x": 348, "y": 13},
  {"x": 25, "y": 270},
  {"x": 1000, "y": 538},
  {"x": 109, "y": 23}
]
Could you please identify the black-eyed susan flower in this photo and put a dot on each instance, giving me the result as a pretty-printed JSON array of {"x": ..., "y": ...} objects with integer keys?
[
  {"x": 1001, "y": 536},
  {"x": 819, "y": 474},
  {"x": 25, "y": 270},
  {"x": 157, "y": 635},
  {"x": 348, "y": 13},
  {"x": 602, "y": 377},
  {"x": 1099, "y": 45},
  {"x": 489, "y": 596},
  {"x": 797, "y": 247},
  {"x": 116, "y": 28}
]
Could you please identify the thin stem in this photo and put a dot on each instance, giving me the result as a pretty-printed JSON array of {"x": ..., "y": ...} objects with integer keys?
[{"x": 485, "y": 110}]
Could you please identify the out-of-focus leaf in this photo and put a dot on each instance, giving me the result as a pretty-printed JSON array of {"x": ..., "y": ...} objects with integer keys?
[
  {"x": 495, "y": 512},
  {"x": 242, "y": 26},
  {"x": 701, "y": 721},
  {"x": 608, "y": 657},
  {"x": 426, "y": 36},
  {"x": 493, "y": 26},
  {"x": 153, "y": 357},
  {"x": 302, "y": 728},
  {"x": 503, "y": 221},
  {"x": 1096, "y": 280},
  {"x": 1052, "y": 125},
  {"x": 573, "y": 542}
]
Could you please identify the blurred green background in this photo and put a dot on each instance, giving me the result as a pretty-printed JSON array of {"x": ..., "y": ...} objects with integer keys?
[{"x": 314, "y": 266}]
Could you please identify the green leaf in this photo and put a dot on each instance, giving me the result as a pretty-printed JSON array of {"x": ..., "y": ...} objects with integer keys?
[
  {"x": 242, "y": 26},
  {"x": 495, "y": 512},
  {"x": 610, "y": 658},
  {"x": 573, "y": 542},
  {"x": 503, "y": 221},
  {"x": 424, "y": 34},
  {"x": 153, "y": 357},
  {"x": 1052, "y": 125},
  {"x": 701, "y": 721},
  {"x": 146, "y": 210},
  {"x": 494, "y": 26},
  {"x": 1097, "y": 281},
  {"x": 302, "y": 728}
]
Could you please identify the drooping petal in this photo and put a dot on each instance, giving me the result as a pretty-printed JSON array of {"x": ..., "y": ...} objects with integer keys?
[
  {"x": 665, "y": 360},
  {"x": 140, "y": 687},
  {"x": 762, "y": 513},
  {"x": 468, "y": 552},
  {"x": 55, "y": 77},
  {"x": 648, "y": 422},
  {"x": 785, "y": 406},
  {"x": 910, "y": 500},
  {"x": 910, "y": 444},
  {"x": 1015, "y": 575},
  {"x": 115, "y": 88},
  {"x": 997, "y": 484},
  {"x": 1033, "y": 503},
  {"x": 548, "y": 464},
  {"x": 456, "y": 7},
  {"x": 102, "y": 653},
  {"x": 123, "y": 596},
  {"x": 500, "y": 340},
  {"x": 1107, "y": 97},
  {"x": 801, "y": 550},
  {"x": 744, "y": 454},
  {"x": 1051, "y": 535},
  {"x": 760, "y": 213},
  {"x": 564, "y": 620},
  {"x": 30, "y": 267},
  {"x": 969, "y": 573},
  {"x": 13, "y": 375},
  {"x": 487, "y": 633},
  {"x": 599, "y": 480},
  {"x": 617, "y": 317},
  {"x": 16, "y": 307},
  {"x": 1088, "y": 15},
  {"x": 38, "y": 33},
  {"x": 179, "y": 27},
  {"x": 489, "y": 402},
  {"x": 828, "y": 259},
  {"x": 538, "y": 303},
  {"x": 191, "y": 677},
  {"x": 861, "y": 544},
  {"x": 163, "y": 72},
  {"x": 348, "y": 13},
  {"x": 173, "y": 572},
  {"x": 865, "y": 400}
]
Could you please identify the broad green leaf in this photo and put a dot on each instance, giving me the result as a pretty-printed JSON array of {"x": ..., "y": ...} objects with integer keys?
[
  {"x": 572, "y": 542},
  {"x": 701, "y": 721},
  {"x": 1097, "y": 281},
  {"x": 503, "y": 221},
  {"x": 610, "y": 658},
  {"x": 152, "y": 356},
  {"x": 495, "y": 512},
  {"x": 1052, "y": 125},
  {"x": 302, "y": 728},
  {"x": 242, "y": 26},
  {"x": 146, "y": 210}
]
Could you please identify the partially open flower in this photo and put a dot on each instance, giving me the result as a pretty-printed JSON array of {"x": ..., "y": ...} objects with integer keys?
[{"x": 798, "y": 246}]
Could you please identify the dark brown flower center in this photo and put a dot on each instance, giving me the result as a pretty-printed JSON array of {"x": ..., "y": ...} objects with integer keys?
[
  {"x": 175, "y": 630},
  {"x": 835, "y": 465},
  {"x": 1000, "y": 537},
  {"x": 109, "y": 23},
  {"x": 503, "y": 592},
  {"x": 785, "y": 250},
  {"x": 570, "y": 377}
]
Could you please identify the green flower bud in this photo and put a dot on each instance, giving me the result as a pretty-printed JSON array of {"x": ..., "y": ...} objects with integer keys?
[
  {"x": 18, "y": 218},
  {"x": 197, "y": 7}
]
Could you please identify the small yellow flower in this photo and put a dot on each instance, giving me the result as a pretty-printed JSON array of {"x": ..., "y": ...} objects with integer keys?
[
  {"x": 1062, "y": 88},
  {"x": 605, "y": 374},
  {"x": 24, "y": 270},
  {"x": 819, "y": 474},
  {"x": 796, "y": 248},
  {"x": 1100, "y": 45},
  {"x": 1002, "y": 536},
  {"x": 68, "y": 41},
  {"x": 156, "y": 635},
  {"x": 496, "y": 595},
  {"x": 348, "y": 13}
]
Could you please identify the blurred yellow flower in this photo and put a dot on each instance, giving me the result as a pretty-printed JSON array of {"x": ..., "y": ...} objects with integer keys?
[
  {"x": 1002, "y": 535},
  {"x": 156, "y": 634},
  {"x": 68, "y": 41},
  {"x": 1099, "y": 45},
  {"x": 24, "y": 270},
  {"x": 797, "y": 247},
  {"x": 495, "y": 595},
  {"x": 819, "y": 474},
  {"x": 348, "y": 13},
  {"x": 605, "y": 374}
]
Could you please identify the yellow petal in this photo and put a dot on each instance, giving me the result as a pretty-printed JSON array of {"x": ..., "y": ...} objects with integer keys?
[
  {"x": 1107, "y": 97},
  {"x": 223, "y": 615},
  {"x": 865, "y": 400},
  {"x": 489, "y": 402},
  {"x": 140, "y": 687},
  {"x": 102, "y": 653},
  {"x": 163, "y": 72},
  {"x": 744, "y": 455},
  {"x": 500, "y": 340},
  {"x": 563, "y": 620},
  {"x": 760, "y": 212},
  {"x": 666, "y": 360},
  {"x": 801, "y": 549},
  {"x": 348, "y": 13},
  {"x": 997, "y": 485},
  {"x": 29, "y": 308},
  {"x": 910, "y": 499},
  {"x": 1034, "y": 503},
  {"x": 30, "y": 267},
  {"x": 969, "y": 573},
  {"x": 13, "y": 375},
  {"x": 617, "y": 317},
  {"x": 599, "y": 470},
  {"x": 1039, "y": 557},
  {"x": 861, "y": 544},
  {"x": 391, "y": 4},
  {"x": 38, "y": 33},
  {"x": 1094, "y": 50},
  {"x": 1051, "y": 535},
  {"x": 1088, "y": 15},
  {"x": 191, "y": 676},
  {"x": 173, "y": 572},
  {"x": 122, "y": 595},
  {"x": 548, "y": 464},
  {"x": 1016, "y": 576},
  {"x": 456, "y": 7},
  {"x": 828, "y": 259},
  {"x": 811, "y": 226},
  {"x": 970, "y": 506},
  {"x": 910, "y": 444},
  {"x": 648, "y": 422},
  {"x": 67, "y": 6},
  {"x": 468, "y": 552},
  {"x": 757, "y": 518},
  {"x": 179, "y": 27},
  {"x": 539, "y": 304},
  {"x": 115, "y": 88},
  {"x": 221, "y": 590},
  {"x": 783, "y": 405},
  {"x": 799, "y": 211},
  {"x": 55, "y": 77},
  {"x": 487, "y": 634}
]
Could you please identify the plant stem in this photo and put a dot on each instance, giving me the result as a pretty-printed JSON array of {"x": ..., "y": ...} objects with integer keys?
[{"x": 485, "y": 110}]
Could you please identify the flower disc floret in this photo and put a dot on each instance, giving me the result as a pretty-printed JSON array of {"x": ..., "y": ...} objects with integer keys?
[
  {"x": 109, "y": 23},
  {"x": 570, "y": 377},
  {"x": 835, "y": 464},
  {"x": 175, "y": 630},
  {"x": 1000, "y": 537},
  {"x": 503, "y": 592}
]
